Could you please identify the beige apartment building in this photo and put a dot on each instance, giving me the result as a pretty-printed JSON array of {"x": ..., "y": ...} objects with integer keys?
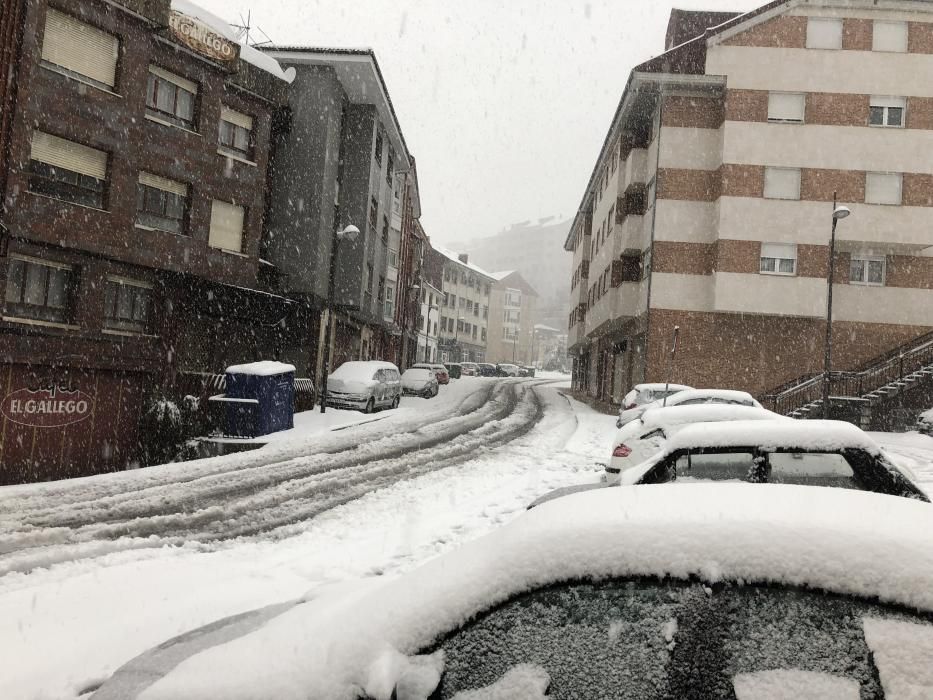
[
  {"x": 464, "y": 306},
  {"x": 710, "y": 205},
  {"x": 513, "y": 306}
]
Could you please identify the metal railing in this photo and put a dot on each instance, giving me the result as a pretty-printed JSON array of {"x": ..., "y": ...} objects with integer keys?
[{"x": 886, "y": 369}]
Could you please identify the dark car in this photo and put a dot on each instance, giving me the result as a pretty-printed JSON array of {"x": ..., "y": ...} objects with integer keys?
[
  {"x": 487, "y": 370},
  {"x": 715, "y": 591},
  {"x": 528, "y": 371},
  {"x": 453, "y": 370}
]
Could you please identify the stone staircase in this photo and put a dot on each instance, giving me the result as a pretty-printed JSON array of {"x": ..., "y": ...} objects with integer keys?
[{"x": 857, "y": 396}]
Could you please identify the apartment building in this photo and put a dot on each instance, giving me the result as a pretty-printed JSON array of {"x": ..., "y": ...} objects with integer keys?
[
  {"x": 710, "y": 205},
  {"x": 513, "y": 305},
  {"x": 134, "y": 157},
  {"x": 429, "y": 321},
  {"x": 464, "y": 312},
  {"x": 337, "y": 159}
]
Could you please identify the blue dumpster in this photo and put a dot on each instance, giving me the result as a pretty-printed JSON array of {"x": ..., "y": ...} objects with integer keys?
[{"x": 259, "y": 398}]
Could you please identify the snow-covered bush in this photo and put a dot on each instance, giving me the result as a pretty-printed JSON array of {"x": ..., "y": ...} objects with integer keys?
[{"x": 166, "y": 429}]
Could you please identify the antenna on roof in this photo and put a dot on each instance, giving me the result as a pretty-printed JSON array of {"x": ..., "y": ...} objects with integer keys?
[{"x": 244, "y": 29}]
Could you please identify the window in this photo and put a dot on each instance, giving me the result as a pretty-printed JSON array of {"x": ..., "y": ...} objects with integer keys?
[
  {"x": 379, "y": 146},
  {"x": 786, "y": 107},
  {"x": 236, "y": 133},
  {"x": 171, "y": 98},
  {"x": 779, "y": 258},
  {"x": 883, "y": 188},
  {"x": 390, "y": 301},
  {"x": 126, "y": 305},
  {"x": 474, "y": 332},
  {"x": 484, "y": 335},
  {"x": 824, "y": 33},
  {"x": 485, "y": 312},
  {"x": 39, "y": 290},
  {"x": 374, "y": 214},
  {"x": 226, "y": 226},
  {"x": 887, "y": 111},
  {"x": 368, "y": 291},
  {"x": 782, "y": 183},
  {"x": 612, "y": 218},
  {"x": 453, "y": 301},
  {"x": 390, "y": 166},
  {"x": 67, "y": 170},
  {"x": 866, "y": 269},
  {"x": 161, "y": 203},
  {"x": 385, "y": 230},
  {"x": 889, "y": 36},
  {"x": 393, "y": 258},
  {"x": 80, "y": 49},
  {"x": 469, "y": 306}
]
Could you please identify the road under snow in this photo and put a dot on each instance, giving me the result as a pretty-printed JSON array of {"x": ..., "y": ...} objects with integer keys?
[{"x": 95, "y": 571}]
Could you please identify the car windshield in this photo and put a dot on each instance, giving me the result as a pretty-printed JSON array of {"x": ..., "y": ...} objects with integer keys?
[{"x": 304, "y": 294}]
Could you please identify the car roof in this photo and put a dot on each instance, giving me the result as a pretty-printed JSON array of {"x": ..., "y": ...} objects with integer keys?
[
  {"x": 661, "y": 531},
  {"x": 660, "y": 386},
  {"x": 811, "y": 435},
  {"x": 725, "y": 394},
  {"x": 671, "y": 416}
]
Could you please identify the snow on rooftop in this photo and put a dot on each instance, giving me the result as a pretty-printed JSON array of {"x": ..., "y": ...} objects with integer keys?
[
  {"x": 263, "y": 368},
  {"x": 247, "y": 53},
  {"x": 450, "y": 255},
  {"x": 502, "y": 275},
  {"x": 819, "y": 538}
]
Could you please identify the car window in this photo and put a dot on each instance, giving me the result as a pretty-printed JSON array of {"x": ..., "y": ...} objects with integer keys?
[
  {"x": 724, "y": 466},
  {"x": 676, "y": 640},
  {"x": 379, "y": 375},
  {"x": 816, "y": 469}
]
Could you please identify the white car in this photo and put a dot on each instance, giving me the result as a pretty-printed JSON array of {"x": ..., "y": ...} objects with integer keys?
[
  {"x": 719, "y": 590},
  {"x": 365, "y": 386},
  {"x": 925, "y": 422},
  {"x": 644, "y": 437},
  {"x": 509, "y": 370},
  {"x": 689, "y": 397},
  {"x": 419, "y": 381},
  {"x": 642, "y": 395}
]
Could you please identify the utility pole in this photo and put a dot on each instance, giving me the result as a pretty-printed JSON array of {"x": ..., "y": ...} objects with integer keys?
[{"x": 670, "y": 368}]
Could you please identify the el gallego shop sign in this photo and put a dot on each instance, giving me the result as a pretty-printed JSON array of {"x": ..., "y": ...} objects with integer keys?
[
  {"x": 198, "y": 37},
  {"x": 51, "y": 407}
]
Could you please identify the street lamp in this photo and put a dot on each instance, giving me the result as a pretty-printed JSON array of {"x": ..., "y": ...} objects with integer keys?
[
  {"x": 839, "y": 212},
  {"x": 350, "y": 232}
]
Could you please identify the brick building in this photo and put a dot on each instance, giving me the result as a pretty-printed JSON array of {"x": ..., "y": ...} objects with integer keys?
[
  {"x": 135, "y": 145},
  {"x": 709, "y": 207}
]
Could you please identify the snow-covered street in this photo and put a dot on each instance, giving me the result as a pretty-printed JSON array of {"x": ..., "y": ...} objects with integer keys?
[{"x": 98, "y": 570}]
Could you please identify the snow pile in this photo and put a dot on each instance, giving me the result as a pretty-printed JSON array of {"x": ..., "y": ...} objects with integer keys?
[
  {"x": 263, "y": 368},
  {"x": 817, "y": 538},
  {"x": 521, "y": 682},
  {"x": 902, "y": 653}
]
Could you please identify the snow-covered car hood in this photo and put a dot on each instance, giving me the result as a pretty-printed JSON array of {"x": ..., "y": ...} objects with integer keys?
[
  {"x": 415, "y": 382},
  {"x": 793, "y": 535},
  {"x": 350, "y": 386}
]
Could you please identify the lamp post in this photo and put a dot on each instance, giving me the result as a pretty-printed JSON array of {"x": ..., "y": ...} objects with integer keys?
[
  {"x": 839, "y": 212},
  {"x": 349, "y": 233}
]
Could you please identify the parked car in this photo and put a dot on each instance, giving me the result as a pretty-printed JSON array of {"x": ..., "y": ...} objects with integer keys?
[
  {"x": 365, "y": 386},
  {"x": 720, "y": 590},
  {"x": 688, "y": 397},
  {"x": 528, "y": 371},
  {"x": 454, "y": 370},
  {"x": 806, "y": 452},
  {"x": 508, "y": 370},
  {"x": 642, "y": 395},
  {"x": 925, "y": 422},
  {"x": 644, "y": 437},
  {"x": 440, "y": 371},
  {"x": 419, "y": 381},
  {"x": 469, "y": 369},
  {"x": 487, "y": 370}
]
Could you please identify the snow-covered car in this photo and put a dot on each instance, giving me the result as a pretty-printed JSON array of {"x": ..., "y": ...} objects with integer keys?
[
  {"x": 804, "y": 452},
  {"x": 469, "y": 369},
  {"x": 642, "y": 395},
  {"x": 419, "y": 381},
  {"x": 691, "y": 397},
  {"x": 440, "y": 371},
  {"x": 716, "y": 591},
  {"x": 365, "y": 386},
  {"x": 487, "y": 369},
  {"x": 925, "y": 422},
  {"x": 644, "y": 437},
  {"x": 508, "y": 370},
  {"x": 528, "y": 371}
]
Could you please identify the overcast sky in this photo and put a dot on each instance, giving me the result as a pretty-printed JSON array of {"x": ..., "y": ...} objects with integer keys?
[{"x": 505, "y": 103}]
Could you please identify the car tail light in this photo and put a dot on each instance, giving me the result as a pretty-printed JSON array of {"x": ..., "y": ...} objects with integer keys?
[
  {"x": 629, "y": 406},
  {"x": 622, "y": 450}
]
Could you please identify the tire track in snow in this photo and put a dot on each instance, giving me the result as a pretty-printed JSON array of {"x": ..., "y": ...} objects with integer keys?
[{"x": 258, "y": 499}]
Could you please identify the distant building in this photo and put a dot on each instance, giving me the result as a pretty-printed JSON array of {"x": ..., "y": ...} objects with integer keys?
[
  {"x": 709, "y": 206},
  {"x": 550, "y": 348},
  {"x": 429, "y": 326},
  {"x": 464, "y": 312},
  {"x": 133, "y": 160},
  {"x": 512, "y": 317}
]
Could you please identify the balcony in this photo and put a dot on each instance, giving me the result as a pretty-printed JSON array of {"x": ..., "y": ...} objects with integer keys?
[{"x": 635, "y": 171}]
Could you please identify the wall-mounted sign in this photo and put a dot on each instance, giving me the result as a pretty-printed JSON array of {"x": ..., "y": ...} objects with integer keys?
[
  {"x": 52, "y": 407},
  {"x": 201, "y": 38}
]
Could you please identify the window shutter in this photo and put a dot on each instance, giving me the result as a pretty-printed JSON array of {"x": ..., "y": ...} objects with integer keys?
[
  {"x": 889, "y": 36},
  {"x": 226, "y": 226},
  {"x": 787, "y": 251},
  {"x": 68, "y": 155},
  {"x": 883, "y": 188},
  {"x": 163, "y": 183},
  {"x": 786, "y": 106},
  {"x": 782, "y": 183},
  {"x": 881, "y": 101},
  {"x": 183, "y": 83},
  {"x": 79, "y": 47},
  {"x": 238, "y": 118},
  {"x": 824, "y": 33}
]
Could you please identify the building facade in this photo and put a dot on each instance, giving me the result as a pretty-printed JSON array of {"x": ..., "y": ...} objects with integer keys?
[
  {"x": 464, "y": 312},
  {"x": 134, "y": 170},
  {"x": 710, "y": 206},
  {"x": 513, "y": 313},
  {"x": 430, "y": 319}
]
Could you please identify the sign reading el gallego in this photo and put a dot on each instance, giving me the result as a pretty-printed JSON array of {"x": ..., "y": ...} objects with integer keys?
[
  {"x": 199, "y": 37},
  {"x": 52, "y": 407}
]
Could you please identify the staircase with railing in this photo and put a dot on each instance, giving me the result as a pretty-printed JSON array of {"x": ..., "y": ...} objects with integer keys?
[{"x": 873, "y": 384}]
